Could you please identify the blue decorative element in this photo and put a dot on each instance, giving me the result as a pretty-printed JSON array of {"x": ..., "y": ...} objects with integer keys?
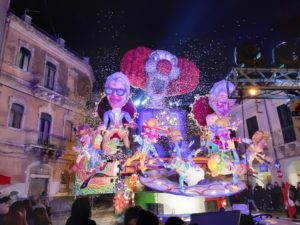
[
  {"x": 263, "y": 168},
  {"x": 277, "y": 164}
]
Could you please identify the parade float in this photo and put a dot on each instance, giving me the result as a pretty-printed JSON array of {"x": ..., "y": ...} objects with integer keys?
[{"x": 124, "y": 154}]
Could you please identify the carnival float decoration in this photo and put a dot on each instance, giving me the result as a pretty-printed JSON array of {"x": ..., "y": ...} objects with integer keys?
[
  {"x": 122, "y": 154},
  {"x": 256, "y": 148},
  {"x": 146, "y": 140},
  {"x": 159, "y": 73}
]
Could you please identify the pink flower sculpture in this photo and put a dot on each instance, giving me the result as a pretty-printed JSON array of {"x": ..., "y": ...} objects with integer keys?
[
  {"x": 159, "y": 72},
  {"x": 200, "y": 109}
]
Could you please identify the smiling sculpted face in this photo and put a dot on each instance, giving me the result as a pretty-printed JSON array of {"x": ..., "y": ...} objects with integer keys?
[
  {"x": 222, "y": 105},
  {"x": 115, "y": 100}
]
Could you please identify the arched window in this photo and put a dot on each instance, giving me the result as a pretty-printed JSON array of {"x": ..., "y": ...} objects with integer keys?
[
  {"x": 44, "y": 131},
  {"x": 50, "y": 75},
  {"x": 24, "y": 59},
  {"x": 16, "y": 115}
]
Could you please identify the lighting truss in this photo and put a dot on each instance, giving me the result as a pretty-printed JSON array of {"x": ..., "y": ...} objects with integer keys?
[{"x": 271, "y": 83}]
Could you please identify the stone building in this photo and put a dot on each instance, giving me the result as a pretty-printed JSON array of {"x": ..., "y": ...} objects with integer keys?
[
  {"x": 43, "y": 92},
  {"x": 272, "y": 115}
]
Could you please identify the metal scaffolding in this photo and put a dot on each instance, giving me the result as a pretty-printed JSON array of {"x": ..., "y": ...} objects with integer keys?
[{"x": 269, "y": 83}]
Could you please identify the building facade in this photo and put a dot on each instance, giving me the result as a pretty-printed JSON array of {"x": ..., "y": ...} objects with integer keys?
[
  {"x": 272, "y": 115},
  {"x": 43, "y": 93}
]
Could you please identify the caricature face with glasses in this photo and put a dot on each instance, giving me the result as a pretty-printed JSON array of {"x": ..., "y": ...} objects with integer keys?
[{"x": 116, "y": 94}]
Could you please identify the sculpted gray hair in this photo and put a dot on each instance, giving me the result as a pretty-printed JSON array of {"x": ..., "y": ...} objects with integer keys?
[
  {"x": 118, "y": 76},
  {"x": 221, "y": 87}
]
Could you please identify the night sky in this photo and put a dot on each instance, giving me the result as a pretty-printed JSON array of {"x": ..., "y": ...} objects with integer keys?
[{"x": 205, "y": 31}]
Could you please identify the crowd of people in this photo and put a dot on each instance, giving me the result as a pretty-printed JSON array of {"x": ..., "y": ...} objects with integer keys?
[
  {"x": 270, "y": 198},
  {"x": 31, "y": 211},
  {"x": 36, "y": 210}
]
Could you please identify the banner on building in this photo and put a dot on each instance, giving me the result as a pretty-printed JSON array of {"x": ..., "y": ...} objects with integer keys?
[{"x": 295, "y": 109}]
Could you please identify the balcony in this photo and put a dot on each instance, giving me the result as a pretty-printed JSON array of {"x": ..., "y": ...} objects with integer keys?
[
  {"x": 60, "y": 95},
  {"x": 47, "y": 94},
  {"x": 44, "y": 144}
]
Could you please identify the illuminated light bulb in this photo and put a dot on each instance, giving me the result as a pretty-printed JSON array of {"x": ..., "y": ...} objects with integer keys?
[{"x": 253, "y": 91}]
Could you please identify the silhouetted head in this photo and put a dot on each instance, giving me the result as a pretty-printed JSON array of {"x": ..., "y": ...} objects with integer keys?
[
  {"x": 81, "y": 208},
  {"x": 174, "y": 220},
  {"x": 147, "y": 218},
  {"x": 131, "y": 215}
]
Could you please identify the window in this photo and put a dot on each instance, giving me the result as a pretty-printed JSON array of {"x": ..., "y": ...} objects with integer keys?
[
  {"x": 50, "y": 75},
  {"x": 45, "y": 125},
  {"x": 286, "y": 122},
  {"x": 16, "y": 115},
  {"x": 24, "y": 59},
  {"x": 69, "y": 131},
  {"x": 252, "y": 125}
]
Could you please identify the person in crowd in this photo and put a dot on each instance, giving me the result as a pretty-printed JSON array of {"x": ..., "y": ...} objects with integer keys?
[
  {"x": 16, "y": 214},
  {"x": 13, "y": 196},
  {"x": 298, "y": 200},
  {"x": 276, "y": 196},
  {"x": 147, "y": 218},
  {"x": 45, "y": 201},
  {"x": 289, "y": 202},
  {"x": 29, "y": 213},
  {"x": 246, "y": 220},
  {"x": 251, "y": 198},
  {"x": 268, "y": 197},
  {"x": 40, "y": 217},
  {"x": 257, "y": 191},
  {"x": 37, "y": 203},
  {"x": 4, "y": 208},
  {"x": 131, "y": 215},
  {"x": 81, "y": 213},
  {"x": 174, "y": 220}
]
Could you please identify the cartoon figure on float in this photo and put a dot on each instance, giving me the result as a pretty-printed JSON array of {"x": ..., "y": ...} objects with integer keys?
[
  {"x": 256, "y": 149},
  {"x": 117, "y": 90},
  {"x": 224, "y": 159},
  {"x": 88, "y": 158},
  {"x": 149, "y": 136},
  {"x": 88, "y": 161},
  {"x": 183, "y": 164}
]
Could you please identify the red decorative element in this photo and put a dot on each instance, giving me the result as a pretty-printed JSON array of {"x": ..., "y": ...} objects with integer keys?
[
  {"x": 286, "y": 199},
  {"x": 164, "y": 67},
  {"x": 103, "y": 106},
  {"x": 279, "y": 173},
  {"x": 200, "y": 109},
  {"x": 188, "y": 79},
  {"x": 120, "y": 202},
  {"x": 4, "y": 180},
  {"x": 133, "y": 66}
]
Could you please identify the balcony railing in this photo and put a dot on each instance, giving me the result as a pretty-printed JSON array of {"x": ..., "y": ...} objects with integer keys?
[
  {"x": 285, "y": 149},
  {"x": 39, "y": 143}
]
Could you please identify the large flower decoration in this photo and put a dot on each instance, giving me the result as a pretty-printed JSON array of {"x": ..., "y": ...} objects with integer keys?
[{"x": 141, "y": 64}]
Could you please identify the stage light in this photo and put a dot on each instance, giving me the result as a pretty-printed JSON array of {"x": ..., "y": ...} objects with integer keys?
[
  {"x": 286, "y": 55},
  {"x": 253, "y": 91},
  {"x": 248, "y": 55}
]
